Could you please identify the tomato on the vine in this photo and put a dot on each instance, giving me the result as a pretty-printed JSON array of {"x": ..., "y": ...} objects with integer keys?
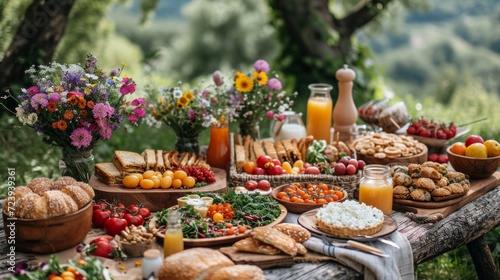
[
  {"x": 100, "y": 216},
  {"x": 134, "y": 219},
  {"x": 263, "y": 160},
  {"x": 114, "y": 226},
  {"x": 144, "y": 212}
]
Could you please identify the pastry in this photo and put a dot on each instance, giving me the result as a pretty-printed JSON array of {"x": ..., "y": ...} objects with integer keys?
[
  {"x": 276, "y": 238},
  {"x": 253, "y": 245},
  {"x": 297, "y": 232}
]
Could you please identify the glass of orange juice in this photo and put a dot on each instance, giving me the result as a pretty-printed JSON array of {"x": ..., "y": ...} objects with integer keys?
[
  {"x": 375, "y": 188},
  {"x": 173, "y": 241},
  {"x": 319, "y": 112}
]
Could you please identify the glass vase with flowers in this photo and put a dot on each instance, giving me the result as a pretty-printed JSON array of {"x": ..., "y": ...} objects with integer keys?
[
  {"x": 76, "y": 107},
  {"x": 257, "y": 96}
]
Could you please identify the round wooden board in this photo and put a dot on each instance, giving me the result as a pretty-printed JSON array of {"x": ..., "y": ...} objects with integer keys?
[
  {"x": 154, "y": 199},
  {"x": 207, "y": 242},
  {"x": 428, "y": 204},
  {"x": 419, "y": 158}
]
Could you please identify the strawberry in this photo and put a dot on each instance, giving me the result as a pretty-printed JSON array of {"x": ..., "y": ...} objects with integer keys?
[
  {"x": 442, "y": 159},
  {"x": 411, "y": 130}
]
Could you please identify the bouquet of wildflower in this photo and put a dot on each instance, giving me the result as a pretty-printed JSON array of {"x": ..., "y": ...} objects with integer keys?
[
  {"x": 186, "y": 112},
  {"x": 74, "y": 107},
  {"x": 256, "y": 96}
]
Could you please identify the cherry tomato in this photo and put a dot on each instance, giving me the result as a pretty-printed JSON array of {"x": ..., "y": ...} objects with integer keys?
[
  {"x": 242, "y": 229},
  {"x": 136, "y": 220},
  {"x": 276, "y": 162},
  {"x": 251, "y": 185},
  {"x": 144, "y": 212},
  {"x": 114, "y": 226},
  {"x": 263, "y": 160},
  {"x": 258, "y": 171},
  {"x": 275, "y": 170},
  {"x": 248, "y": 166},
  {"x": 264, "y": 185},
  {"x": 99, "y": 217}
]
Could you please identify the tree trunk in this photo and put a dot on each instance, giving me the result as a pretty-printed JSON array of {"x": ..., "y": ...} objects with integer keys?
[{"x": 35, "y": 41}]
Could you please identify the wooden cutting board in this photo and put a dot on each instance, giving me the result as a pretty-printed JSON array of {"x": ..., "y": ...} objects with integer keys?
[
  {"x": 478, "y": 188},
  {"x": 154, "y": 199}
]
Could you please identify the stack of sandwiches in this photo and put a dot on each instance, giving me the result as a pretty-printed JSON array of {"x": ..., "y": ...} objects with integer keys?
[
  {"x": 126, "y": 162},
  {"x": 291, "y": 150}
]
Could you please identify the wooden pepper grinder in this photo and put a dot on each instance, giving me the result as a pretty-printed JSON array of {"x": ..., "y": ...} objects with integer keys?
[{"x": 345, "y": 113}]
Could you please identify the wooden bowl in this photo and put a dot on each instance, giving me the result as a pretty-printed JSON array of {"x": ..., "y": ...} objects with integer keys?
[
  {"x": 48, "y": 235},
  {"x": 476, "y": 168},
  {"x": 136, "y": 250},
  {"x": 300, "y": 208},
  {"x": 418, "y": 158}
]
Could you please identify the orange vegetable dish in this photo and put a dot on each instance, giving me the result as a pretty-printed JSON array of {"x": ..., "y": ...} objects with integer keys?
[{"x": 309, "y": 193}]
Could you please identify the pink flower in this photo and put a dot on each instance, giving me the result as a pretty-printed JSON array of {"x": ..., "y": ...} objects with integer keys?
[
  {"x": 32, "y": 90},
  {"x": 281, "y": 117},
  {"x": 74, "y": 93},
  {"x": 140, "y": 112},
  {"x": 102, "y": 110},
  {"x": 138, "y": 102},
  {"x": 39, "y": 99},
  {"x": 133, "y": 118},
  {"x": 192, "y": 115},
  {"x": 270, "y": 114},
  {"x": 104, "y": 129},
  {"x": 80, "y": 137},
  {"x": 261, "y": 66},
  {"x": 274, "y": 84},
  {"x": 54, "y": 97},
  {"x": 126, "y": 89},
  {"x": 218, "y": 79}
]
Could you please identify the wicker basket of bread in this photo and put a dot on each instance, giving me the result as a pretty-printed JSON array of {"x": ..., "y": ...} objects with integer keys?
[
  {"x": 248, "y": 149},
  {"x": 48, "y": 216}
]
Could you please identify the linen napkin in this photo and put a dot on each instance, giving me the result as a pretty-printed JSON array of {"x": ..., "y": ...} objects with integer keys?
[{"x": 398, "y": 266}]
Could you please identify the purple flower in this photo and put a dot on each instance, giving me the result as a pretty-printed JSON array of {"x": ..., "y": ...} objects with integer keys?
[
  {"x": 114, "y": 72},
  {"x": 54, "y": 97},
  {"x": 72, "y": 80},
  {"x": 138, "y": 102},
  {"x": 274, "y": 84},
  {"x": 102, "y": 110},
  {"x": 261, "y": 66},
  {"x": 192, "y": 115},
  {"x": 39, "y": 99},
  {"x": 218, "y": 79},
  {"x": 80, "y": 137}
]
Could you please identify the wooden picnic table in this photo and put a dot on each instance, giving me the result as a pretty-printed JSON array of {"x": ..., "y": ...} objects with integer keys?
[{"x": 466, "y": 225}]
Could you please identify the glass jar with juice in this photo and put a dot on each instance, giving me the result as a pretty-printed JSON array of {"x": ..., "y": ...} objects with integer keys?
[
  {"x": 218, "y": 147},
  {"x": 173, "y": 242},
  {"x": 319, "y": 112},
  {"x": 375, "y": 188}
]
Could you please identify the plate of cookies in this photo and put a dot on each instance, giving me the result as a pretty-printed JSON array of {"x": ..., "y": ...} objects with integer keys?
[{"x": 385, "y": 148}]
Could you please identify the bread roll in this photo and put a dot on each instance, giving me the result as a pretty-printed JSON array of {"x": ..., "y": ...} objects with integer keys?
[
  {"x": 295, "y": 231},
  {"x": 239, "y": 272},
  {"x": 59, "y": 203},
  {"x": 194, "y": 263},
  {"x": 40, "y": 185},
  {"x": 77, "y": 194},
  {"x": 60, "y": 182},
  {"x": 31, "y": 206},
  {"x": 87, "y": 188}
]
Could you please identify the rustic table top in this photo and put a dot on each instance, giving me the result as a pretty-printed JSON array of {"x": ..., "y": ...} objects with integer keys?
[{"x": 427, "y": 240}]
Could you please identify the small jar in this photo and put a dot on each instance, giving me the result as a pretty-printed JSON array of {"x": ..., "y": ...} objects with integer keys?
[
  {"x": 151, "y": 263},
  {"x": 291, "y": 127},
  {"x": 173, "y": 241},
  {"x": 319, "y": 112},
  {"x": 375, "y": 188}
]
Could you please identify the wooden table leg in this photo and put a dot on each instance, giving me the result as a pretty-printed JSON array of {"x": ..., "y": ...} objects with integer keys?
[{"x": 483, "y": 260}]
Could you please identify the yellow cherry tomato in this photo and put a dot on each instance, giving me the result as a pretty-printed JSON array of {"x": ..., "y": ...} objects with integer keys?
[
  {"x": 299, "y": 163},
  {"x": 166, "y": 182},
  {"x": 176, "y": 183},
  {"x": 180, "y": 174},
  {"x": 156, "y": 182},
  {"x": 67, "y": 274},
  {"x": 169, "y": 173},
  {"x": 130, "y": 181},
  {"x": 287, "y": 167},
  {"x": 147, "y": 184},
  {"x": 189, "y": 182},
  {"x": 148, "y": 174},
  {"x": 218, "y": 217}
]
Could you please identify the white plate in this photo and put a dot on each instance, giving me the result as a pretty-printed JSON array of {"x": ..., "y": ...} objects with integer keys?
[{"x": 433, "y": 141}]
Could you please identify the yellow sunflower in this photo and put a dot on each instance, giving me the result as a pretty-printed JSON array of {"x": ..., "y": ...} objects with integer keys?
[
  {"x": 182, "y": 102},
  {"x": 260, "y": 77},
  {"x": 189, "y": 95},
  {"x": 243, "y": 83}
]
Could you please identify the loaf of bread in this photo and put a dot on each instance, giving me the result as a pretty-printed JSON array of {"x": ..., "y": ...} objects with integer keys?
[
  {"x": 295, "y": 231},
  {"x": 239, "y": 272},
  {"x": 42, "y": 198},
  {"x": 193, "y": 263}
]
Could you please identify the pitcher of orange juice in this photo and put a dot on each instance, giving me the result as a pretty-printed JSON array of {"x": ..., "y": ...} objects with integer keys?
[
  {"x": 375, "y": 188},
  {"x": 319, "y": 112}
]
